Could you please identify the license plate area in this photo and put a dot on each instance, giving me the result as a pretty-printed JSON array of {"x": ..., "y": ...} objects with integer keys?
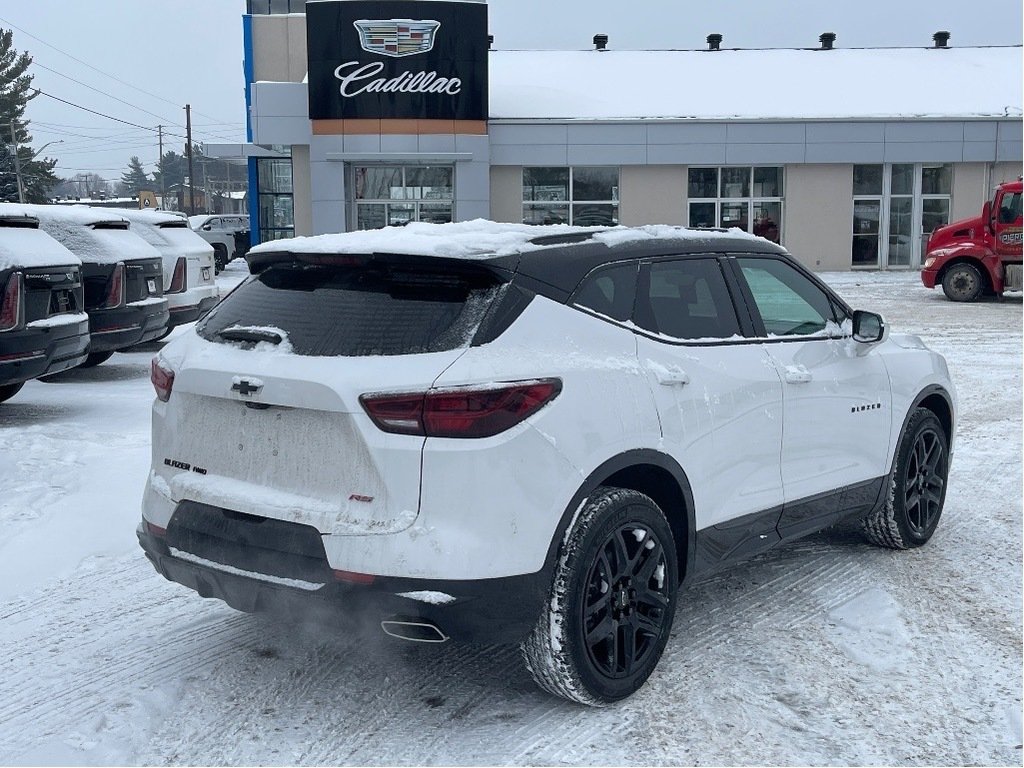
[
  {"x": 151, "y": 285},
  {"x": 62, "y": 301},
  {"x": 206, "y": 274}
]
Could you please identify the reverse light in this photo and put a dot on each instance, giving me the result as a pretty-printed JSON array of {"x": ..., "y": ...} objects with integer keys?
[
  {"x": 10, "y": 302},
  {"x": 179, "y": 280},
  {"x": 466, "y": 412},
  {"x": 162, "y": 378},
  {"x": 115, "y": 288}
]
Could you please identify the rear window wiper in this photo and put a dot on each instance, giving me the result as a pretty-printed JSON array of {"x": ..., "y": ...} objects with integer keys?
[{"x": 251, "y": 335}]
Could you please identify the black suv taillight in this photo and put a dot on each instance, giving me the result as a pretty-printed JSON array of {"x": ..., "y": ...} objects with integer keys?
[
  {"x": 115, "y": 288},
  {"x": 474, "y": 411},
  {"x": 10, "y": 302}
]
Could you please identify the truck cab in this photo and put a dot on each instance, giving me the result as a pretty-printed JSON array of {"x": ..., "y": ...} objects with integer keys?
[{"x": 979, "y": 256}]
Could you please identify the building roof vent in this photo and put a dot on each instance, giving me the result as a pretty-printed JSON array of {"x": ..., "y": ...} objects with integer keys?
[
  {"x": 941, "y": 39},
  {"x": 600, "y": 42},
  {"x": 827, "y": 39},
  {"x": 714, "y": 41}
]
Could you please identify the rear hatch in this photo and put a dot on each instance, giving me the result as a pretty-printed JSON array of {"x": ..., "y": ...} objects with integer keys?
[
  {"x": 175, "y": 240},
  {"x": 266, "y": 406},
  {"x": 51, "y": 275}
]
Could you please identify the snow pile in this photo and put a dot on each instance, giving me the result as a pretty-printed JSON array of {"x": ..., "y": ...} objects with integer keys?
[
  {"x": 23, "y": 247},
  {"x": 802, "y": 84}
]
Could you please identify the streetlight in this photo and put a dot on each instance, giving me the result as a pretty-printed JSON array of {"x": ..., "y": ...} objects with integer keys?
[{"x": 17, "y": 161}]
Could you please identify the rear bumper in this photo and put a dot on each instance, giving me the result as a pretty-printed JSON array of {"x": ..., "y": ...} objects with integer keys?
[
  {"x": 114, "y": 329},
  {"x": 192, "y": 307},
  {"x": 35, "y": 352},
  {"x": 480, "y": 611}
]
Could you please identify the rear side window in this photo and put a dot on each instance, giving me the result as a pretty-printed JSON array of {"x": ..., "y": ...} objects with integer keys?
[
  {"x": 687, "y": 299},
  {"x": 609, "y": 292},
  {"x": 355, "y": 311}
]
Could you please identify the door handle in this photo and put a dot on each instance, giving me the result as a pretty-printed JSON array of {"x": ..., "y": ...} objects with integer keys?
[
  {"x": 797, "y": 374},
  {"x": 671, "y": 376}
]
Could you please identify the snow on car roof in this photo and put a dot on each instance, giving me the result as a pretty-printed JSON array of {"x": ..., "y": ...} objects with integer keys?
[
  {"x": 72, "y": 226},
  {"x": 478, "y": 238},
  {"x": 777, "y": 83},
  {"x": 172, "y": 242},
  {"x": 29, "y": 247},
  {"x": 154, "y": 218}
]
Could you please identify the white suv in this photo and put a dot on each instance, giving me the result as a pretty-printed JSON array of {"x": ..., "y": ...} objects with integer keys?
[{"x": 507, "y": 433}]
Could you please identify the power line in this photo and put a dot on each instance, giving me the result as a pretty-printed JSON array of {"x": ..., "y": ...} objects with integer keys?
[
  {"x": 102, "y": 93},
  {"x": 96, "y": 69},
  {"x": 101, "y": 114}
]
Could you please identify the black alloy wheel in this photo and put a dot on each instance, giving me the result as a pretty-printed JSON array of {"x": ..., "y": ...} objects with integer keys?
[
  {"x": 626, "y": 601},
  {"x": 924, "y": 481}
]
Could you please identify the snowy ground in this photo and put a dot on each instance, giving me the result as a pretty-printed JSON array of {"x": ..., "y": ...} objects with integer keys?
[{"x": 828, "y": 651}]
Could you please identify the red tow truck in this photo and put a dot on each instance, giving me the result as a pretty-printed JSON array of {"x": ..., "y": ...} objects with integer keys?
[{"x": 980, "y": 256}]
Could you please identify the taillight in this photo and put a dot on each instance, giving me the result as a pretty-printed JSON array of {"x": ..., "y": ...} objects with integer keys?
[
  {"x": 115, "y": 288},
  {"x": 179, "y": 278},
  {"x": 10, "y": 303},
  {"x": 475, "y": 411},
  {"x": 162, "y": 378}
]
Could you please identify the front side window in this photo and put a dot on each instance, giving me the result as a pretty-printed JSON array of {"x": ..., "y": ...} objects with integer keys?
[
  {"x": 393, "y": 195},
  {"x": 789, "y": 303},
  {"x": 749, "y": 198},
  {"x": 580, "y": 195},
  {"x": 686, "y": 299}
]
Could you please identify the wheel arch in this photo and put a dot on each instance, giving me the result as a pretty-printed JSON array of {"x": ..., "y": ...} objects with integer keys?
[
  {"x": 652, "y": 473},
  {"x": 976, "y": 261},
  {"x": 937, "y": 400}
]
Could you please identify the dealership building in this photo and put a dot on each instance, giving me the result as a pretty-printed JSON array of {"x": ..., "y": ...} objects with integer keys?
[{"x": 368, "y": 114}]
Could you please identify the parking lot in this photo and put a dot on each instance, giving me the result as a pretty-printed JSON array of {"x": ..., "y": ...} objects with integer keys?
[{"x": 826, "y": 651}]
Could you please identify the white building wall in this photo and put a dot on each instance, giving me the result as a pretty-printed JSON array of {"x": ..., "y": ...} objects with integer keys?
[
  {"x": 818, "y": 215},
  {"x": 652, "y": 194}
]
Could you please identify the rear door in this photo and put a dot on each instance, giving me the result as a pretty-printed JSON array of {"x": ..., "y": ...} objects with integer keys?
[{"x": 719, "y": 400}]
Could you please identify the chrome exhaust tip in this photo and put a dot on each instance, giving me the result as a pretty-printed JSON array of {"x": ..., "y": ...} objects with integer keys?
[{"x": 415, "y": 631}]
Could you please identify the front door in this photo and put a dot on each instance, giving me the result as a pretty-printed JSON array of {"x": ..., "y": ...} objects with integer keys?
[{"x": 836, "y": 397}]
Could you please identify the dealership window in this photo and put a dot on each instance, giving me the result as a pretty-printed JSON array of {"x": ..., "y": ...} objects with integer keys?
[
  {"x": 895, "y": 209},
  {"x": 276, "y": 210},
  {"x": 393, "y": 195},
  {"x": 580, "y": 195},
  {"x": 748, "y": 197},
  {"x": 264, "y": 7}
]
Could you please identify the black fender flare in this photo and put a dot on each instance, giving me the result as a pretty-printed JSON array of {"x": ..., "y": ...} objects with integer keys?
[{"x": 626, "y": 460}]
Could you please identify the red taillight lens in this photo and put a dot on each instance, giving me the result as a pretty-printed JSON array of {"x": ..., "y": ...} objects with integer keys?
[
  {"x": 115, "y": 288},
  {"x": 10, "y": 302},
  {"x": 462, "y": 411},
  {"x": 179, "y": 279},
  {"x": 162, "y": 378}
]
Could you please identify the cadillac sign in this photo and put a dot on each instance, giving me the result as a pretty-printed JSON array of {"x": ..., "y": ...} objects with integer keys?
[{"x": 426, "y": 61}]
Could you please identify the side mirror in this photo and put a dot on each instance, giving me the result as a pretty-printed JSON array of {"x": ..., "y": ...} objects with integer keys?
[
  {"x": 868, "y": 327},
  {"x": 987, "y": 215},
  {"x": 207, "y": 227}
]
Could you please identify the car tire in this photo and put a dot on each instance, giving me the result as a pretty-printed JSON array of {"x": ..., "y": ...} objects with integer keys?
[
  {"x": 917, "y": 486},
  {"x": 95, "y": 358},
  {"x": 963, "y": 282},
  {"x": 220, "y": 258},
  {"x": 613, "y": 595},
  {"x": 10, "y": 390}
]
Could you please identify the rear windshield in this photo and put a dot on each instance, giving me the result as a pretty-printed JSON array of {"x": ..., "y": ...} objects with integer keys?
[{"x": 355, "y": 311}]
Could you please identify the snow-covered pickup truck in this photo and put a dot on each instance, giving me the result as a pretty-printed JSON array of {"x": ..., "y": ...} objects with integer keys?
[{"x": 227, "y": 233}]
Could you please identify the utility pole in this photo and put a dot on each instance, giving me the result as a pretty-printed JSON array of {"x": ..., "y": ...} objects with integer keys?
[
  {"x": 159, "y": 165},
  {"x": 17, "y": 165},
  {"x": 188, "y": 153}
]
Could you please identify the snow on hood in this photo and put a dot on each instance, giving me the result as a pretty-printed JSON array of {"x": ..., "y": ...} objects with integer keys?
[
  {"x": 71, "y": 226},
  {"x": 172, "y": 242},
  {"x": 24, "y": 247},
  {"x": 785, "y": 83},
  {"x": 474, "y": 239}
]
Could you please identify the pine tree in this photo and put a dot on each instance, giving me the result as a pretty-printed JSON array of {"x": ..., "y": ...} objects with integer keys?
[
  {"x": 135, "y": 179},
  {"x": 15, "y": 94}
]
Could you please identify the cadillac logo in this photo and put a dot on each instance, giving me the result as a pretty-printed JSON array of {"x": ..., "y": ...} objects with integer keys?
[{"x": 396, "y": 37}]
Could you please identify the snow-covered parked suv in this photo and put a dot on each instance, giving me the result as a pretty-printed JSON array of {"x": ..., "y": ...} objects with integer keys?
[
  {"x": 121, "y": 272},
  {"x": 43, "y": 325},
  {"x": 188, "y": 264},
  {"x": 503, "y": 433}
]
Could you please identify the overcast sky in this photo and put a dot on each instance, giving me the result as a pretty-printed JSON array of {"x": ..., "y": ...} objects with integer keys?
[{"x": 179, "y": 51}]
